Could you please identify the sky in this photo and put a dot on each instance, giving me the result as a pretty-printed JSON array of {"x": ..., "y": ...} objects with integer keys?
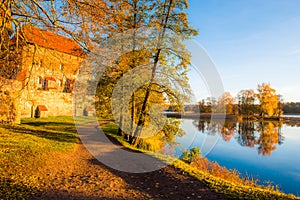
[{"x": 251, "y": 42}]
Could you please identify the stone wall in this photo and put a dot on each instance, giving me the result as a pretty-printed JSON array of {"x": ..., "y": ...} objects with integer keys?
[
  {"x": 47, "y": 78},
  {"x": 9, "y": 101},
  {"x": 56, "y": 103}
]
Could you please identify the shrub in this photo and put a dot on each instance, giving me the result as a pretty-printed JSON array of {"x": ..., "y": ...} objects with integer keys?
[{"x": 189, "y": 156}]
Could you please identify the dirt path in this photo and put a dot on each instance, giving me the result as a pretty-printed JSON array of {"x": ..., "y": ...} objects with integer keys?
[{"x": 79, "y": 176}]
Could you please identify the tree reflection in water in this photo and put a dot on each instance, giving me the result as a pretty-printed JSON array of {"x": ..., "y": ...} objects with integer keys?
[
  {"x": 264, "y": 135},
  {"x": 269, "y": 137}
]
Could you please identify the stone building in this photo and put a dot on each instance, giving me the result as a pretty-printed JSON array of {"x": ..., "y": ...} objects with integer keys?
[{"x": 46, "y": 72}]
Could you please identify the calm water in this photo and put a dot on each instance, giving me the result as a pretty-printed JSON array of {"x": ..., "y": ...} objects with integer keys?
[
  {"x": 293, "y": 116},
  {"x": 266, "y": 151}
]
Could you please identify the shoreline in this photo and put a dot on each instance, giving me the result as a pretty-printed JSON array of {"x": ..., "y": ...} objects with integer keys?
[
  {"x": 214, "y": 182},
  {"x": 222, "y": 116}
]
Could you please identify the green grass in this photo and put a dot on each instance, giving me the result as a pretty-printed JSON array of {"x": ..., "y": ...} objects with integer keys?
[
  {"x": 24, "y": 149},
  {"x": 218, "y": 184}
]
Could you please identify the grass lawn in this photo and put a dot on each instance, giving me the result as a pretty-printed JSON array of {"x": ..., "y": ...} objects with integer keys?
[{"x": 24, "y": 149}]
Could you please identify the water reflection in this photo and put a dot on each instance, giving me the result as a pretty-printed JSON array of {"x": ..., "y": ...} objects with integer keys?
[
  {"x": 264, "y": 135},
  {"x": 246, "y": 134}
]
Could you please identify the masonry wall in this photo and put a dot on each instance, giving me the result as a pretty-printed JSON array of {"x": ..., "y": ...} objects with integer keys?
[
  {"x": 9, "y": 101},
  {"x": 56, "y": 103},
  {"x": 47, "y": 78}
]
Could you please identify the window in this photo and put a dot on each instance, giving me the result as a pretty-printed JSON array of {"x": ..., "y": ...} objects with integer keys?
[
  {"x": 45, "y": 84},
  {"x": 61, "y": 66},
  {"x": 40, "y": 80},
  {"x": 68, "y": 87}
]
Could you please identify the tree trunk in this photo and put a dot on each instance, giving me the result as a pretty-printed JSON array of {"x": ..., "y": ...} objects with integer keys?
[{"x": 141, "y": 115}]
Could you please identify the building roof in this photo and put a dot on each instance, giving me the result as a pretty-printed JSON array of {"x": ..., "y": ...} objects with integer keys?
[
  {"x": 52, "y": 40},
  {"x": 50, "y": 78},
  {"x": 42, "y": 108}
]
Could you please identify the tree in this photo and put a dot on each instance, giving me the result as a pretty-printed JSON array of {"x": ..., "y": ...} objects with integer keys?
[
  {"x": 225, "y": 103},
  {"x": 168, "y": 64},
  {"x": 167, "y": 17},
  {"x": 9, "y": 54},
  {"x": 280, "y": 105},
  {"x": 86, "y": 22},
  {"x": 246, "y": 100},
  {"x": 291, "y": 107},
  {"x": 136, "y": 17},
  {"x": 205, "y": 106},
  {"x": 268, "y": 100}
]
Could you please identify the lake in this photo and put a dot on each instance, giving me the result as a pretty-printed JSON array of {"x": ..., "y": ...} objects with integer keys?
[{"x": 266, "y": 151}]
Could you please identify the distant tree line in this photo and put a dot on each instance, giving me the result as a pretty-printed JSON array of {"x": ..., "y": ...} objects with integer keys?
[
  {"x": 291, "y": 108},
  {"x": 248, "y": 103}
]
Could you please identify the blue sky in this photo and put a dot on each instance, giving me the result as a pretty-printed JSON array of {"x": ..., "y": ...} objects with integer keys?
[{"x": 251, "y": 42}]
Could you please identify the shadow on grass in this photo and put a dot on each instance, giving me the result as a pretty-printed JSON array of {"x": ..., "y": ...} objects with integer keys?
[
  {"x": 74, "y": 195},
  {"x": 57, "y": 131},
  {"x": 165, "y": 183},
  {"x": 39, "y": 123},
  {"x": 11, "y": 190}
]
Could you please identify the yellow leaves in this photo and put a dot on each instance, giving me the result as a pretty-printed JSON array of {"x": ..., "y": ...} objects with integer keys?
[
  {"x": 225, "y": 103},
  {"x": 268, "y": 99},
  {"x": 268, "y": 138}
]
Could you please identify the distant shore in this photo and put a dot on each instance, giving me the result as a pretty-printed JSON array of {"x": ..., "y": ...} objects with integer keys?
[
  {"x": 200, "y": 115},
  {"x": 216, "y": 116}
]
